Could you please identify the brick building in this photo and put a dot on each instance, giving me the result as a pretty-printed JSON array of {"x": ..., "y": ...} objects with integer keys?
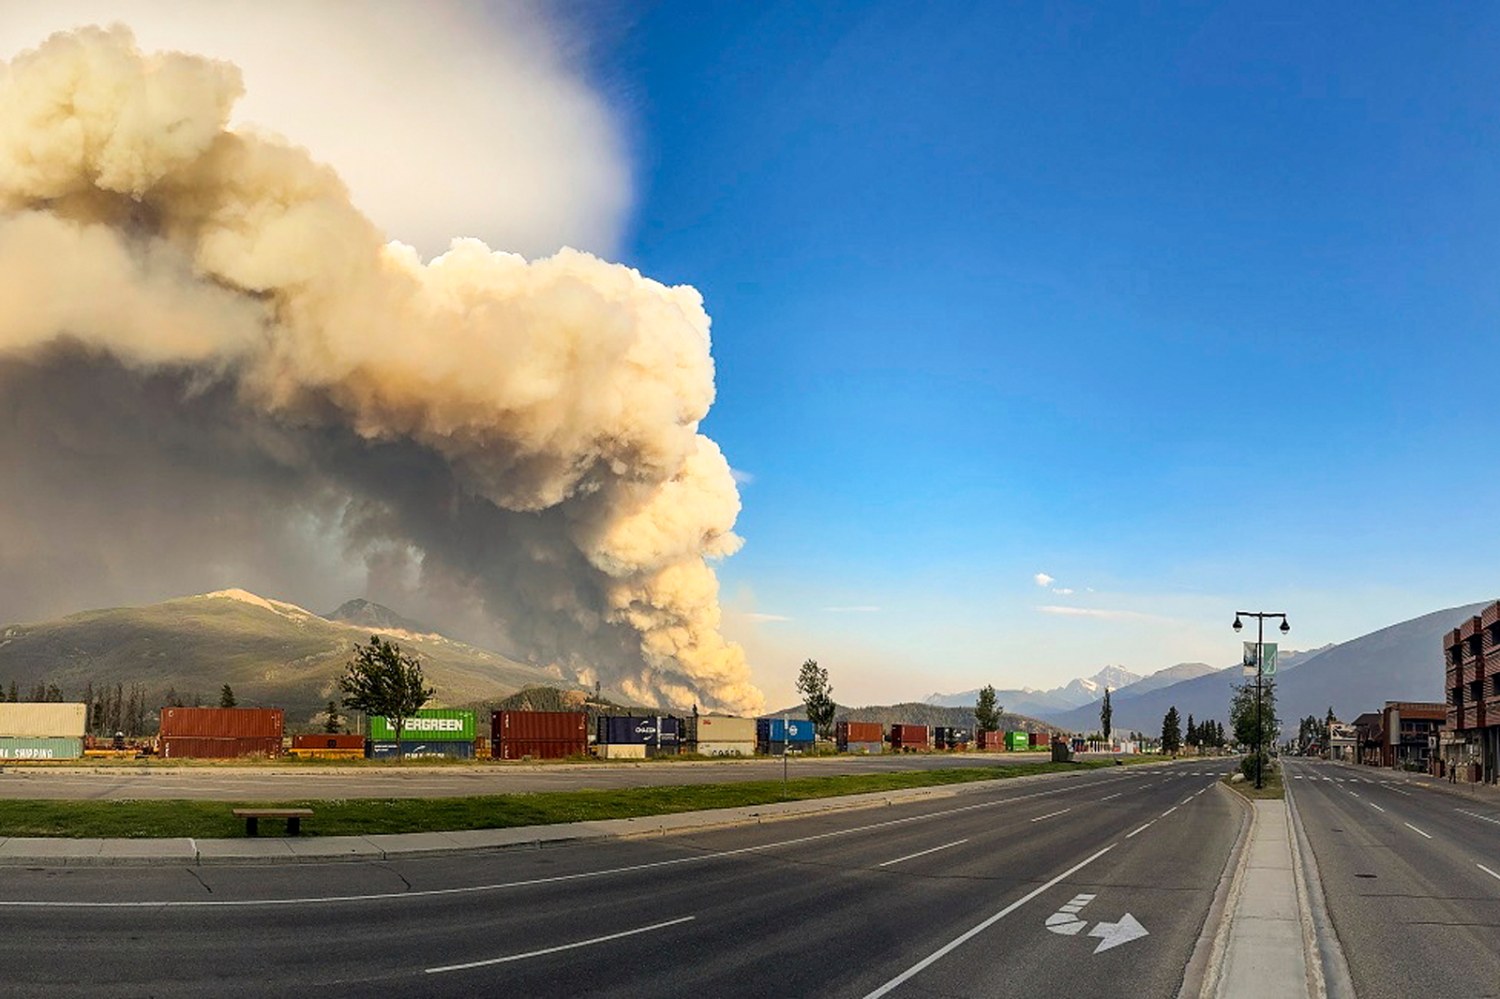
[
  {"x": 1409, "y": 733},
  {"x": 1473, "y": 690}
]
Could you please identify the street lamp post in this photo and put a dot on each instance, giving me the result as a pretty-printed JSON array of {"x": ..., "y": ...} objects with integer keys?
[{"x": 1260, "y": 663}]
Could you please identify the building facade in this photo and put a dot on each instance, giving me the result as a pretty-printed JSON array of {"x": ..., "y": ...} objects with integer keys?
[
  {"x": 1473, "y": 686},
  {"x": 1409, "y": 733}
]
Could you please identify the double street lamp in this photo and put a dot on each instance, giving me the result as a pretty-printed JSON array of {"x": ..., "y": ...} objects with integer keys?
[{"x": 1260, "y": 662}]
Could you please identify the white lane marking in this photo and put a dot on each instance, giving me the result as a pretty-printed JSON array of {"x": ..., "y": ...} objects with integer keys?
[
  {"x": 1141, "y": 829},
  {"x": 1375, "y": 806},
  {"x": 1115, "y": 795},
  {"x": 1488, "y": 871},
  {"x": 1416, "y": 830},
  {"x": 561, "y": 947},
  {"x": 1051, "y": 814},
  {"x": 1399, "y": 791},
  {"x": 529, "y": 882},
  {"x": 1481, "y": 818},
  {"x": 1169, "y": 811},
  {"x": 1189, "y": 798},
  {"x": 960, "y": 940},
  {"x": 921, "y": 853}
]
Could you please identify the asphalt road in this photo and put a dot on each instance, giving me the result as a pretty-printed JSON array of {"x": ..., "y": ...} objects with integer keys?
[
  {"x": 943, "y": 896},
  {"x": 1411, "y": 875},
  {"x": 231, "y": 782}
]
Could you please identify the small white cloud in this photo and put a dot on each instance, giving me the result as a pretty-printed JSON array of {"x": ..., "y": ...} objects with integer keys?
[
  {"x": 1043, "y": 580},
  {"x": 858, "y": 609},
  {"x": 741, "y": 476},
  {"x": 1098, "y": 613},
  {"x": 1064, "y": 591},
  {"x": 758, "y": 618}
]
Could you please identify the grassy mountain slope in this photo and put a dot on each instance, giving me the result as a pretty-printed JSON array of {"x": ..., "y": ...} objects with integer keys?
[{"x": 271, "y": 653}]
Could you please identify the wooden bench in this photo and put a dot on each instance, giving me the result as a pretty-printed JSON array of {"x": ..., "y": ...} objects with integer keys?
[{"x": 293, "y": 816}]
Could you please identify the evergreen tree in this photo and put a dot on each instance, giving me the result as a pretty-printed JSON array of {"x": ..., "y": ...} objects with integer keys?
[
  {"x": 12, "y": 696},
  {"x": 332, "y": 722},
  {"x": 1106, "y": 716},
  {"x": 1190, "y": 734},
  {"x": 1171, "y": 731},
  {"x": 226, "y": 697}
]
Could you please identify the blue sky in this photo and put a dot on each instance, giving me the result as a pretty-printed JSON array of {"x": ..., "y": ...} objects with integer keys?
[
  {"x": 1182, "y": 309},
  {"x": 1185, "y": 308}
]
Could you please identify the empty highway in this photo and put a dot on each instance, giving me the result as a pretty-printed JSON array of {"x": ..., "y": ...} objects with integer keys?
[{"x": 1082, "y": 884}]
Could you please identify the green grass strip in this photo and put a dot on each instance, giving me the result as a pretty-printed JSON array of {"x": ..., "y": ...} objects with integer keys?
[{"x": 364, "y": 816}]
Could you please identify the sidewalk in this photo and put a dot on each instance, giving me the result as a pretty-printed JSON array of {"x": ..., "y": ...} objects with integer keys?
[
  {"x": 1262, "y": 949},
  {"x": 52, "y": 852}
]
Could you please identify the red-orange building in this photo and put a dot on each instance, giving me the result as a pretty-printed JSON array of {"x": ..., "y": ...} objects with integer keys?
[{"x": 1473, "y": 686}]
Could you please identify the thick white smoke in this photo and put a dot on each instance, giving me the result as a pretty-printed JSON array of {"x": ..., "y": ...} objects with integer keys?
[{"x": 211, "y": 303}]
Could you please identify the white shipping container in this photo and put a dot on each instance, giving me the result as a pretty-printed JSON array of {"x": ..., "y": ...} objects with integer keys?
[
  {"x": 42, "y": 720},
  {"x": 721, "y": 728},
  {"x": 621, "y": 750},
  {"x": 724, "y": 748}
]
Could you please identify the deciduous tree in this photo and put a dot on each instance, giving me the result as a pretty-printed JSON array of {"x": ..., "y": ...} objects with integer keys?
[
  {"x": 380, "y": 679},
  {"x": 817, "y": 697},
  {"x": 986, "y": 711}
]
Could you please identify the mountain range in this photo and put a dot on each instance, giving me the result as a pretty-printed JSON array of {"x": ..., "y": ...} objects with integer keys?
[
  {"x": 270, "y": 652},
  {"x": 1030, "y": 701},
  {"x": 1402, "y": 662}
]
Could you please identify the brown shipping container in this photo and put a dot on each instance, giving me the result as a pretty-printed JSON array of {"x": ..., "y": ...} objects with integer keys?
[
  {"x": 991, "y": 741},
  {"x": 561, "y": 726},
  {"x": 181, "y": 747},
  {"x": 222, "y": 723},
  {"x": 853, "y": 731},
  {"x": 1041, "y": 739},
  {"x": 537, "y": 749},
  {"x": 328, "y": 741},
  {"x": 910, "y": 737}
]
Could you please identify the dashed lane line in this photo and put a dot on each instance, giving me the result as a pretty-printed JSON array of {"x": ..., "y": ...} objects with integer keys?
[
  {"x": 1481, "y": 818},
  {"x": 1051, "y": 814},
  {"x": 923, "y": 853},
  {"x": 1416, "y": 830},
  {"x": 561, "y": 947},
  {"x": 1488, "y": 871},
  {"x": 1131, "y": 835}
]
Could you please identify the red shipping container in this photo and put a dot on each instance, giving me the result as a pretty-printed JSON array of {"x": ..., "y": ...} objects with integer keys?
[
  {"x": 328, "y": 741},
  {"x": 991, "y": 741},
  {"x": 565, "y": 726},
  {"x": 222, "y": 723},
  {"x": 1041, "y": 739},
  {"x": 910, "y": 737},
  {"x": 537, "y": 749},
  {"x": 187, "y": 747},
  {"x": 853, "y": 731}
]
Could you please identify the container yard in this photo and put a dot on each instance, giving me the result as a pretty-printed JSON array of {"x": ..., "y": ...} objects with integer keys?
[
  {"x": 859, "y": 737},
  {"x": 41, "y": 731},
  {"x": 779, "y": 736},
  {"x": 951, "y": 738},
  {"x": 220, "y": 733},
  {"x": 719, "y": 735},
  {"x": 540, "y": 735}
]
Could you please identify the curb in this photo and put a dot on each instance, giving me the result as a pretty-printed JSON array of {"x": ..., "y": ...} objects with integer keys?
[
  {"x": 1327, "y": 968},
  {"x": 62, "y": 852},
  {"x": 1206, "y": 966}
]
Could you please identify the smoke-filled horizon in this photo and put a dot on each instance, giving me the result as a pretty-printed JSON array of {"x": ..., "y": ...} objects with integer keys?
[{"x": 212, "y": 363}]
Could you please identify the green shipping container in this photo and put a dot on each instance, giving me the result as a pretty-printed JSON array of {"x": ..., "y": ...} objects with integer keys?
[
  {"x": 429, "y": 725},
  {"x": 18, "y": 748},
  {"x": 1017, "y": 741}
]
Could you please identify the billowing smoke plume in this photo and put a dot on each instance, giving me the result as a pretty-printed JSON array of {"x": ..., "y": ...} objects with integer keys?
[{"x": 204, "y": 347}]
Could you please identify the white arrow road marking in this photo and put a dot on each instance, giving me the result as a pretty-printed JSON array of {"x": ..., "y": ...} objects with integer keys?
[
  {"x": 1115, "y": 934},
  {"x": 1065, "y": 920}
]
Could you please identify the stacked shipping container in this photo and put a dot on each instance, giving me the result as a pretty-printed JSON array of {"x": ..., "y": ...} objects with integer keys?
[
  {"x": 542, "y": 735},
  {"x": 41, "y": 731},
  {"x": 220, "y": 733},
  {"x": 778, "y": 736},
  {"x": 660, "y": 735},
  {"x": 859, "y": 737},
  {"x": 948, "y": 737},
  {"x": 430, "y": 732},
  {"x": 910, "y": 738},
  {"x": 720, "y": 735},
  {"x": 329, "y": 746}
]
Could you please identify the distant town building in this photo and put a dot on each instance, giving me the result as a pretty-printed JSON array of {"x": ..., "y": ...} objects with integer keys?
[
  {"x": 1369, "y": 729},
  {"x": 1343, "y": 742},
  {"x": 1473, "y": 691},
  {"x": 1409, "y": 733}
]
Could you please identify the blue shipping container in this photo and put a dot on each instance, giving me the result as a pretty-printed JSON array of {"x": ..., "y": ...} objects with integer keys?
[
  {"x": 416, "y": 749},
  {"x": 628, "y": 730},
  {"x": 777, "y": 730}
]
